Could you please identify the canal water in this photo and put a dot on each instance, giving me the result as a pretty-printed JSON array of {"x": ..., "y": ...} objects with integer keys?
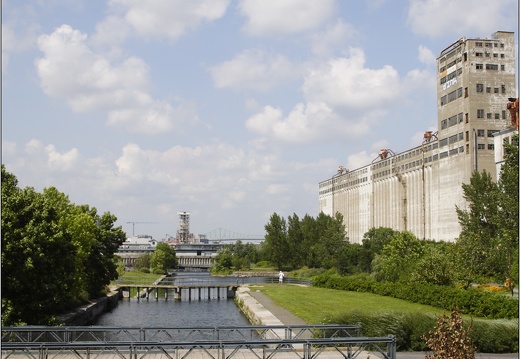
[{"x": 131, "y": 312}]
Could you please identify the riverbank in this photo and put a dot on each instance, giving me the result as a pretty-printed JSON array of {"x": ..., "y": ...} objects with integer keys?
[{"x": 88, "y": 313}]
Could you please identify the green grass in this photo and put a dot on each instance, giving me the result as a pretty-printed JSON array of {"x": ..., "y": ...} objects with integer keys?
[
  {"x": 138, "y": 277},
  {"x": 315, "y": 305}
]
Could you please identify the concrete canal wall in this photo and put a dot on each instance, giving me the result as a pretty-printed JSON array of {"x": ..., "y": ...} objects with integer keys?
[{"x": 86, "y": 314}]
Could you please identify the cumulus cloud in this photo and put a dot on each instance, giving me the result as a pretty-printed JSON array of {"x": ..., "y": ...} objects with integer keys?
[
  {"x": 285, "y": 17},
  {"x": 88, "y": 81},
  {"x": 335, "y": 36},
  {"x": 360, "y": 159},
  {"x": 255, "y": 70},
  {"x": 165, "y": 18},
  {"x": 436, "y": 18},
  {"x": 346, "y": 82}
]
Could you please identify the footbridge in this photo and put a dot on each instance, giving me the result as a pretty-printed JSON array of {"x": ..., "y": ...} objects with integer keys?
[
  {"x": 251, "y": 342},
  {"x": 225, "y": 236}
]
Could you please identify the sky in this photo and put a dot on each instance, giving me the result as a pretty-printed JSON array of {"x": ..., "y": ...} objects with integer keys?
[{"x": 230, "y": 110}]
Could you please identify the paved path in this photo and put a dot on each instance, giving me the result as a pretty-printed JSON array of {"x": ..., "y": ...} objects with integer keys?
[{"x": 288, "y": 318}]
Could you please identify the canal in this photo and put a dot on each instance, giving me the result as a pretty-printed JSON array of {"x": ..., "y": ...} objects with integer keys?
[{"x": 131, "y": 312}]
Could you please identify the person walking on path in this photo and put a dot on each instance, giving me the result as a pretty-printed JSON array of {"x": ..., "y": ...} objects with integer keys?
[{"x": 280, "y": 277}]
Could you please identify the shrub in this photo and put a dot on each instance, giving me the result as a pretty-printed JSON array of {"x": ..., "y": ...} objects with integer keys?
[
  {"x": 450, "y": 338},
  {"x": 144, "y": 270},
  {"x": 159, "y": 271},
  {"x": 467, "y": 301}
]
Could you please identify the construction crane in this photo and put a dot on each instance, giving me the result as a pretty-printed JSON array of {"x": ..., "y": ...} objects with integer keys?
[{"x": 134, "y": 223}]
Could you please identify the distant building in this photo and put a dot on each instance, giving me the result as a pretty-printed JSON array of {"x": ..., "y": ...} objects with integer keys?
[
  {"x": 134, "y": 247},
  {"x": 417, "y": 190}
]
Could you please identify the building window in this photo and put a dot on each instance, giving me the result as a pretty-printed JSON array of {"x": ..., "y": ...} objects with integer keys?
[
  {"x": 495, "y": 90},
  {"x": 503, "y": 88},
  {"x": 452, "y": 96},
  {"x": 502, "y": 67},
  {"x": 489, "y": 115},
  {"x": 487, "y": 54},
  {"x": 501, "y": 46},
  {"x": 478, "y": 44},
  {"x": 502, "y": 56},
  {"x": 479, "y": 66},
  {"x": 492, "y": 67},
  {"x": 444, "y": 124},
  {"x": 443, "y": 100},
  {"x": 452, "y": 121},
  {"x": 467, "y": 148},
  {"x": 478, "y": 54},
  {"x": 480, "y": 133},
  {"x": 495, "y": 55},
  {"x": 503, "y": 114},
  {"x": 481, "y": 146},
  {"x": 461, "y": 136},
  {"x": 466, "y": 115},
  {"x": 443, "y": 142},
  {"x": 491, "y": 146},
  {"x": 453, "y": 152},
  {"x": 497, "y": 116},
  {"x": 453, "y": 139},
  {"x": 460, "y": 117},
  {"x": 467, "y": 136},
  {"x": 465, "y": 92},
  {"x": 488, "y": 89},
  {"x": 443, "y": 154},
  {"x": 480, "y": 88},
  {"x": 480, "y": 113},
  {"x": 491, "y": 133},
  {"x": 459, "y": 92}
]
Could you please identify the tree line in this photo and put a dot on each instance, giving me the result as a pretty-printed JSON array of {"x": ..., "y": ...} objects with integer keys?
[
  {"x": 486, "y": 249},
  {"x": 55, "y": 254}
]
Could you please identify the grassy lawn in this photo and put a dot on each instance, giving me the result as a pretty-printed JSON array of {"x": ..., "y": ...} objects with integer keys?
[
  {"x": 316, "y": 304},
  {"x": 136, "y": 277}
]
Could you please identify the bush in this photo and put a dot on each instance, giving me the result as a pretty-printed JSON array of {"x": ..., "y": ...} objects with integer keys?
[
  {"x": 467, "y": 301},
  {"x": 495, "y": 336},
  {"x": 159, "y": 271},
  {"x": 144, "y": 270}
]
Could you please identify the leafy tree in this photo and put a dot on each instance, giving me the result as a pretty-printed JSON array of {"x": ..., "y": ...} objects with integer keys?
[
  {"x": 54, "y": 253},
  {"x": 435, "y": 266},
  {"x": 275, "y": 245},
  {"x": 143, "y": 261},
  {"x": 373, "y": 242},
  {"x": 398, "y": 258},
  {"x": 295, "y": 239},
  {"x": 508, "y": 199},
  {"x": 163, "y": 257},
  {"x": 479, "y": 252}
]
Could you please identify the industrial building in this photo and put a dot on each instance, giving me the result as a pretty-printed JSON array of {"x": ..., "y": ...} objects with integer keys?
[{"x": 417, "y": 190}]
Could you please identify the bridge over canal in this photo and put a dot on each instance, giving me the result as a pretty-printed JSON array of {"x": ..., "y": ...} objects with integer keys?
[{"x": 255, "y": 342}]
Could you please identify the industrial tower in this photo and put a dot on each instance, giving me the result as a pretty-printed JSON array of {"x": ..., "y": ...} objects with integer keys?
[{"x": 184, "y": 227}]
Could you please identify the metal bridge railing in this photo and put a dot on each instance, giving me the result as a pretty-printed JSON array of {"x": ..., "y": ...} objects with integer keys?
[
  {"x": 206, "y": 281},
  {"x": 382, "y": 347},
  {"x": 71, "y": 334}
]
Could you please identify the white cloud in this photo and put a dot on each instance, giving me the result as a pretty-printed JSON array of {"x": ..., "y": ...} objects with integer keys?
[
  {"x": 165, "y": 18},
  {"x": 253, "y": 69},
  {"x": 334, "y": 37},
  {"x": 359, "y": 159},
  {"x": 62, "y": 162},
  {"x": 426, "y": 56},
  {"x": 436, "y": 18},
  {"x": 285, "y": 17},
  {"x": 88, "y": 81},
  {"x": 346, "y": 82}
]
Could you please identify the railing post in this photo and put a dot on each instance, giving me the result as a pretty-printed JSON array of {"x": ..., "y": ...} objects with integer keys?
[{"x": 391, "y": 347}]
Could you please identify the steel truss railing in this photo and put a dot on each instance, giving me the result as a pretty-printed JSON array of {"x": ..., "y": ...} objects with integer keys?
[
  {"x": 71, "y": 334},
  {"x": 356, "y": 347}
]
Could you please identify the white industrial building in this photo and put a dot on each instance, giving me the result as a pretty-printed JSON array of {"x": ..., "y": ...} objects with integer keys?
[{"x": 417, "y": 190}]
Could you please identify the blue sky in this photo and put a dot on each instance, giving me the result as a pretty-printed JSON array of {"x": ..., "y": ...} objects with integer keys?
[{"x": 228, "y": 109}]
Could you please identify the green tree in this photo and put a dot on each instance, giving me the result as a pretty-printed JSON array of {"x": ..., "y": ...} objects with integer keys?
[
  {"x": 479, "y": 250},
  {"x": 163, "y": 257},
  {"x": 435, "y": 266},
  {"x": 143, "y": 261},
  {"x": 54, "y": 253},
  {"x": 508, "y": 198},
  {"x": 295, "y": 239},
  {"x": 373, "y": 242},
  {"x": 38, "y": 257},
  {"x": 398, "y": 258},
  {"x": 275, "y": 245}
]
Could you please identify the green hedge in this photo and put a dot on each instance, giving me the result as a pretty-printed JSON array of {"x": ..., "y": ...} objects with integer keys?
[
  {"x": 488, "y": 336},
  {"x": 466, "y": 301}
]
